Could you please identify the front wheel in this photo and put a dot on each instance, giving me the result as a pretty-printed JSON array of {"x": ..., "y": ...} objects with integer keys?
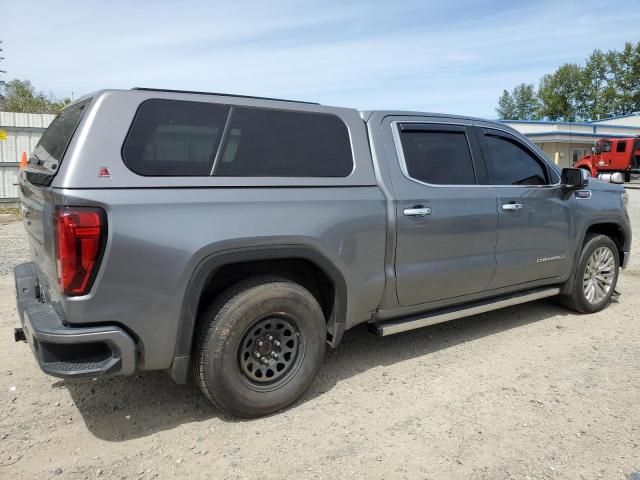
[
  {"x": 596, "y": 276},
  {"x": 259, "y": 346}
]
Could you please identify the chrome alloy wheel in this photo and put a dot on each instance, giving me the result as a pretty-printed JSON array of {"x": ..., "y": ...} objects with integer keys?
[{"x": 598, "y": 275}]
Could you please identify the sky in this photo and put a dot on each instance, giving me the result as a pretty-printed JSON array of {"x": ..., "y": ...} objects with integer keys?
[{"x": 439, "y": 56}]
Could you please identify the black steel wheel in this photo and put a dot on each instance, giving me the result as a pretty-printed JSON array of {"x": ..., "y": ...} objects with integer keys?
[
  {"x": 259, "y": 346},
  {"x": 270, "y": 352}
]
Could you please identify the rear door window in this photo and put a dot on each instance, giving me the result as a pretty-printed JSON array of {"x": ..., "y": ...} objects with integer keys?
[{"x": 437, "y": 155}]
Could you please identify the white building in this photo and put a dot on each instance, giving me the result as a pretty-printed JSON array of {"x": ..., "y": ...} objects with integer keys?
[
  {"x": 632, "y": 120},
  {"x": 566, "y": 142}
]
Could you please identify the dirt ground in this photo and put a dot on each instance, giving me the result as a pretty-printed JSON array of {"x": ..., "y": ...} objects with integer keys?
[{"x": 527, "y": 392}]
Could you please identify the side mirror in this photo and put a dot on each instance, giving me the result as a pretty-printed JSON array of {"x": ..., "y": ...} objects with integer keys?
[{"x": 574, "y": 178}]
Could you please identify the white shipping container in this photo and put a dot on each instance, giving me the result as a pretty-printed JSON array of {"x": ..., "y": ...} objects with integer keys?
[
  {"x": 23, "y": 131},
  {"x": 8, "y": 183},
  {"x": 26, "y": 120},
  {"x": 17, "y": 142}
]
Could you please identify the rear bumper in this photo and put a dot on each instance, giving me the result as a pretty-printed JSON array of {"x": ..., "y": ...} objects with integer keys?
[{"x": 65, "y": 351}]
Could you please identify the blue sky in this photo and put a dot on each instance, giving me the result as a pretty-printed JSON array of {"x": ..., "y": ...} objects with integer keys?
[{"x": 441, "y": 56}]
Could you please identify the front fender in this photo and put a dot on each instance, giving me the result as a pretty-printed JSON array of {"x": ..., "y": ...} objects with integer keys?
[{"x": 626, "y": 245}]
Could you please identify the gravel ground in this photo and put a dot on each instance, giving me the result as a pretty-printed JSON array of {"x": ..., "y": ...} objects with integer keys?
[
  {"x": 13, "y": 246},
  {"x": 527, "y": 392}
]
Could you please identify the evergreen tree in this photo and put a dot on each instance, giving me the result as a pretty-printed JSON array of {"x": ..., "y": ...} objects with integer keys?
[{"x": 506, "y": 107}]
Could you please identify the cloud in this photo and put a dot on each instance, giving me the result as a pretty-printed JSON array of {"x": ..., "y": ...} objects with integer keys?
[{"x": 446, "y": 56}]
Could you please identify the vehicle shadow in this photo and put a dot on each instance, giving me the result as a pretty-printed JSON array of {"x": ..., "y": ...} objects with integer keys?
[{"x": 123, "y": 408}]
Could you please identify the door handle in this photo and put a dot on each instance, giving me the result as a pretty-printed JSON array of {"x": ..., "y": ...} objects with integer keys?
[
  {"x": 512, "y": 207},
  {"x": 417, "y": 211}
]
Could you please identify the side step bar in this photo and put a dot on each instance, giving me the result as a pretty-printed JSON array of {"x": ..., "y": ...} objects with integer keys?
[{"x": 390, "y": 327}]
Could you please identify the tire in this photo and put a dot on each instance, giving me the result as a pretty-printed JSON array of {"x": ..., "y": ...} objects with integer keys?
[
  {"x": 578, "y": 298},
  {"x": 247, "y": 380}
]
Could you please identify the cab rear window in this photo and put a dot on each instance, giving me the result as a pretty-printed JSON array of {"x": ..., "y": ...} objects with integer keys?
[{"x": 183, "y": 138}]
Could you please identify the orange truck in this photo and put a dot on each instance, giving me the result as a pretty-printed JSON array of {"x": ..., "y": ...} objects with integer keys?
[{"x": 610, "y": 155}]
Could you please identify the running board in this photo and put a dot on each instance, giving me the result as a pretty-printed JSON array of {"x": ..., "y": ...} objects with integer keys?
[{"x": 390, "y": 327}]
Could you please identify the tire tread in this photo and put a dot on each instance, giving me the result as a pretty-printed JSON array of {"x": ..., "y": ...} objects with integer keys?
[{"x": 217, "y": 309}]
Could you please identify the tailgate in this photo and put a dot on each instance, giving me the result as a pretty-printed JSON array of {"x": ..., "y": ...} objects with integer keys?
[{"x": 35, "y": 196}]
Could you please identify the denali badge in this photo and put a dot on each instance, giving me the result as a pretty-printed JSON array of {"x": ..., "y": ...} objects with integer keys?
[{"x": 550, "y": 259}]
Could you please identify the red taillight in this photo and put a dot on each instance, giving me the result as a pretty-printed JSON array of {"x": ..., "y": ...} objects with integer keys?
[{"x": 78, "y": 243}]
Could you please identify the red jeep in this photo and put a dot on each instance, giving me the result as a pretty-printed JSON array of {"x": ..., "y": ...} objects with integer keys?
[{"x": 613, "y": 155}]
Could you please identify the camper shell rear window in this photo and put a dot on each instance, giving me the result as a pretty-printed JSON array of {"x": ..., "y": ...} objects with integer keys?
[{"x": 49, "y": 152}]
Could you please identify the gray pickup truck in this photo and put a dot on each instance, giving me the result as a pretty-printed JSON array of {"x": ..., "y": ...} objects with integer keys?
[{"x": 232, "y": 238}]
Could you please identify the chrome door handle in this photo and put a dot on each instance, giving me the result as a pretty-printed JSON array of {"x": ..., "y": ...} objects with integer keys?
[
  {"x": 417, "y": 211},
  {"x": 512, "y": 207}
]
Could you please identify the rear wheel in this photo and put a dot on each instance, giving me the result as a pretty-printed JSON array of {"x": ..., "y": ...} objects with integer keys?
[
  {"x": 259, "y": 346},
  {"x": 596, "y": 276}
]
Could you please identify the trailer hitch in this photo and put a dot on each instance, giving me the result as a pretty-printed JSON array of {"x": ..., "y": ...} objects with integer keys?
[{"x": 18, "y": 335}]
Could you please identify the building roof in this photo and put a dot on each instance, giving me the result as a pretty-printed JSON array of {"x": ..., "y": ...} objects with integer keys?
[
  {"x": 618, "y": 117},
  {"x": 571, "y": 137}
]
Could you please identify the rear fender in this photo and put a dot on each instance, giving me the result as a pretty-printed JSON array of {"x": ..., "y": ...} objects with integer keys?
[{"x": 213, "y": 262}]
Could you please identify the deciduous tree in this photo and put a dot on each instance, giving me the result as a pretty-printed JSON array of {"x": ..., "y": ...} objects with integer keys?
[
  {"x": 608, "y": 84},
  {"x": 21, "y": 96},
  {"x": 625, "y": 79},
  {"x": 560, "y": 93}
]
